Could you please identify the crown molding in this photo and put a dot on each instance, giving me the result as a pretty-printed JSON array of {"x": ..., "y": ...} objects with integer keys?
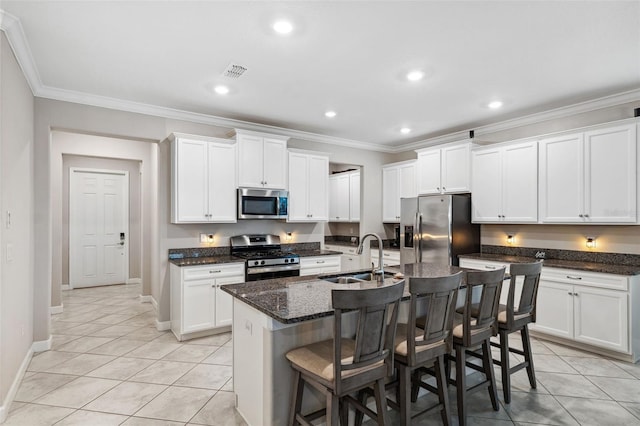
[
  {"x": 557, "y": 113},
  {"x": 18, "y": 42}
]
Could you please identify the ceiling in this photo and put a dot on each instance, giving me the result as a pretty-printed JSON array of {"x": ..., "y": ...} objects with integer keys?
[{"x": 349, "y": 56}]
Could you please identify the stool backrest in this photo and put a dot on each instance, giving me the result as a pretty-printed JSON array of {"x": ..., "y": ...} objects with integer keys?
[
  {"x": 375, "y": 332},
  {"x": 530, "y": 273},
  {"x": 437, "y": 299},
  {"x": 482, "y": 322}
]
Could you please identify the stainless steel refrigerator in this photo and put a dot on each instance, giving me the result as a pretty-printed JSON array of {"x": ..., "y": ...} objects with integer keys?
[{"x": 437, "y": 228}]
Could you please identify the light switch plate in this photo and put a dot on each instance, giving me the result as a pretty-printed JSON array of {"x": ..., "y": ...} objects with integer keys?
[{"x": 204, "y": 238}]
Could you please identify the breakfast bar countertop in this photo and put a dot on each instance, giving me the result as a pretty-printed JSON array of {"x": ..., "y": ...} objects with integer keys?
[{"x": 296, "y": 299}]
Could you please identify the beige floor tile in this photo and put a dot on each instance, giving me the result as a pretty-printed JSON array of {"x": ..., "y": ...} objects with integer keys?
[
  {"x": 81, "y": 365},
  {"x": 126, "y": 398},
  {"x": 219, "y": 411},
  {"x": 86, "y": 418},
  {"x": 36, "y": 415},
  {"x": 58, "y": 340},
  {"x": 121, "y": 368},
  {"x": 84, "y": 344},
  {"x": 86, "y": 329},
  {"x": 15, "y": 405},
  {"x": 191, "y": 353},
  {"x": 146, "y": 333},
  {"x": 177, "y": 404},
  {"x": 113, "y": 319},
  {"x": 223, "y": 356},
  {"x": 115, "y": 331},
  {"x": 206, "y": 376},
  {"x": 141, "y": 421},
  {"x": 215, "y": 340},
  {"x": 39, "y": 384},
  {"x": 48, "y": 359},
  {"x": 77, "y": 393},
  {"x": 163, "y": 372},
  {"x": 154, "y": 350},
  {"x": 117, "y": 347}
]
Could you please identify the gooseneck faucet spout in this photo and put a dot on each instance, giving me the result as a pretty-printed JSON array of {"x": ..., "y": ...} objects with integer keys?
[{"x": 380, "y": 270}]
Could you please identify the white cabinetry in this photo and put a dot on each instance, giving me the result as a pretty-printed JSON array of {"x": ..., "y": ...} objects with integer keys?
[
  {"x": 319, "y": 265},
  {"x": 308, "y": 187},
  {"x": 398, "y": 181},
  {"x": 505, "y": 183},
  {"x": 444, "y": 170},
  {"x": 589, "y": 177},
  {"x": 198, "y": 304},
  {"x": 203, "y": 181},
  {"x": 590, "y": 308},
  {"x": 262, "y": 160},
  {"x": 389, "y": 257},
  {"x": 344, "y": 197},
  {"x": 349, "y": 260}
]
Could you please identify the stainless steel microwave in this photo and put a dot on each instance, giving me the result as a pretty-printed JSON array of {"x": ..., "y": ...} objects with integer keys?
[{"x": 262, "y": 203}]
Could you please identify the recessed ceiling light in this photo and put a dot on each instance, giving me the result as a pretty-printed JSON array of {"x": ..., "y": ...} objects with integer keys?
[
  {"x": 283, "y": 27},
  {"x": 415, "y": 75},
  {"x": 221, "y": 90},
  {"x": 495, "y": 104},
  {"x": 405, "y": 130},
  {"x": 330, "y": 114}
]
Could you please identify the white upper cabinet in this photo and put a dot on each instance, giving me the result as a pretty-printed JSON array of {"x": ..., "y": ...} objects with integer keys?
[
  {"x": 203, "y": 179},
  {"x": 505, "y": 183},
  {"x": 398, "y": 181},
  {"x": 444, "y": 170},
  {"x": 308, "y": 187},
  {"x": 262, "y": 160},
  {"x": 344, "y": 197},
  {"x": 589, "y": 177}
]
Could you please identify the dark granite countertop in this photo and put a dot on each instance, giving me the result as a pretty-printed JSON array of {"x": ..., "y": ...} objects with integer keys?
[
  {"x": 311, "y": 253},
  {"x": 296, "y": 299},
  {"x": 606, "y": 268},
  {"x": 207, "y": 260}
]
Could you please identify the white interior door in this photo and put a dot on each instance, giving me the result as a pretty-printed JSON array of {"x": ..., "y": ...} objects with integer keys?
[{"x": 98, "y": 227}]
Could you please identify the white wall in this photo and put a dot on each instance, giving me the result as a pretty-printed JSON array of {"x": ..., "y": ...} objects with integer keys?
[{"x": 16, "y": 240}]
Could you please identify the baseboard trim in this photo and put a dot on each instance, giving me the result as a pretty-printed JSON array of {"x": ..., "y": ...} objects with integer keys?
[
  {"x": 56, "y": 309},
  {"x": 146, "y": 299},
  {"x": 163, "y": 325},
  {"x": 66, "y": 287},
  {"x": 154, "y": 303},
  {"x": 134, "y": 281},
  {"x": 42, "y": 345},
  {"x": 6, "y": 404}
]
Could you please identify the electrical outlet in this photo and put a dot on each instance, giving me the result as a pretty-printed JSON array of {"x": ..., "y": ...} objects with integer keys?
[{"x": 204, "y": 238}]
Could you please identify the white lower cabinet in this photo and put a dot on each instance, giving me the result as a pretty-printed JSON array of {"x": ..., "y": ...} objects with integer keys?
[
  {"x": 389, "y": 257},
  {"x": 319, "y": 265},
  {"x": 198, "y": 304},
  {"x": 349, "y": 260},
  {"x": 587, "y": 307}
]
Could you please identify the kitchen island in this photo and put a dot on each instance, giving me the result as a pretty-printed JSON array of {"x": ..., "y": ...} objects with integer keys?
[{"x": 272, "y": 317}]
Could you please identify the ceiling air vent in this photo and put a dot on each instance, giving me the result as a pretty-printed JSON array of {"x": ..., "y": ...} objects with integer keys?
[{"x": 234, "y": 70}]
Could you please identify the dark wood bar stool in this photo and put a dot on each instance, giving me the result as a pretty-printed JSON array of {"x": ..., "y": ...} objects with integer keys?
[
  {"x": 525, "y": 278},
  {"x": 340, "y": 366},
  {"x": 475, "y": 328},
  {"x": 432, "y": 305}
]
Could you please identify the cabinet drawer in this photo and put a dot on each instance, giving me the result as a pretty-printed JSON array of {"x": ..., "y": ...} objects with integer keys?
[
  {"x": 483, "y": 265},
  {"x": 322, "y": 261},
  {"x": 213, "y": 271},
  {"x": 593, "y": 279}
]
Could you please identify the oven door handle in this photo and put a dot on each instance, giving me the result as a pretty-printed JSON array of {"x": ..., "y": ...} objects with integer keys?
[{"x": 261, "y": 270}]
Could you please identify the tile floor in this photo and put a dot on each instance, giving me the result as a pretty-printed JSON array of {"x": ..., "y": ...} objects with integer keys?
[{"x": 110, "y": 366}]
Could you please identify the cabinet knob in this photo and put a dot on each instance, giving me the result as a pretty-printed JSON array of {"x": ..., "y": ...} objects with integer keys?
[
  {"x": 580, "y": 215},
  {"x": 586, "y": 215},
  {"x": 570, "y": 294},
  {"x": 576, "y": 294},
  {"x": 444, "y": 189},
  {"x": 213, "y": 285},
  {"x": 438, "y": 188}
]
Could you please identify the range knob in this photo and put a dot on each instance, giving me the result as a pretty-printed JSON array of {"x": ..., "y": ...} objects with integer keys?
[
  {"x": 256, "y": 263},
  {"x": 262, "y": 262},
  {"x": 286, "y": 261}
]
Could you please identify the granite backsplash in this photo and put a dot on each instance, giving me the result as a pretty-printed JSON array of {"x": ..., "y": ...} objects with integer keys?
[{"x": 571, "y": 255}]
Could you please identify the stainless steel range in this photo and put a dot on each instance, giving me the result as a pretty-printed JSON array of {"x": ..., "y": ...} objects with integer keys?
[{"x": 264, "y": 258}]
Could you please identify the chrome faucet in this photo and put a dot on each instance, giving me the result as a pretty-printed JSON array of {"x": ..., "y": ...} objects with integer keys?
[{"x": 380, "y": 270}]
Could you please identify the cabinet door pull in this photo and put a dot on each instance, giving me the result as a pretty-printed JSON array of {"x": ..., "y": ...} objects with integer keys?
[
  {"x": 215, "y": 272},
  {"x": 571, "y": 277},
  {"x": 320, "y": 261},
  {"x": 489, "y": 267}
]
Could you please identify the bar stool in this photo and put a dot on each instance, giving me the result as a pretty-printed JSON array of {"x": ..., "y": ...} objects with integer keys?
[
  {"x": 525, "y": 278},
  {"x": 419, "y": 347},
  {"x": 476, "y": 327},
  {"x": 340, "y": 366}
]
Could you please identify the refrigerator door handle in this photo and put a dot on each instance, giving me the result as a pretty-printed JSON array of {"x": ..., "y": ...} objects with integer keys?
[
  {"x": 419, "y": 245},
  {"x": 415, "y": 242}
]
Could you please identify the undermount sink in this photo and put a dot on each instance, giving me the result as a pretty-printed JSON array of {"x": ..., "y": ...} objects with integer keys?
[{"x": 351, "y": 277}]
